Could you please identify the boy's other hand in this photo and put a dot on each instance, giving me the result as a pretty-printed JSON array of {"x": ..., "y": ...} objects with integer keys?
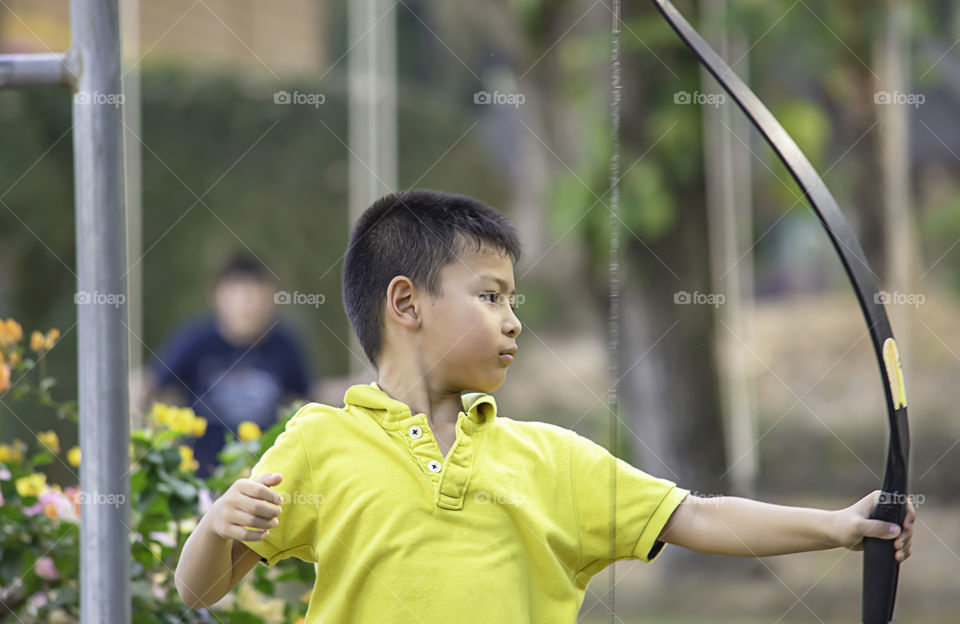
[
  {"x": 248, "y": 503},
  {"x": 856, "y": 524}
]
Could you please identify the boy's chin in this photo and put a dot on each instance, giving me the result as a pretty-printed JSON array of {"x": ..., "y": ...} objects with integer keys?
[
  {"x": 488, "y": 383},
  {"x": 491, "y": 384}
]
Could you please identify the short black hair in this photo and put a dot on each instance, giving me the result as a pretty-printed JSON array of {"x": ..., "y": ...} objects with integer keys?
[
  {"x": 242, "y": 265},
  {"x": 414, "y": 233}
]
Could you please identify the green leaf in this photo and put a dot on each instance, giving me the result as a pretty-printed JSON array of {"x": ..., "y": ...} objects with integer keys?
[
  {"x": 42, "y": 458},
  {"x": 11, "y": 564},
  {"x": 138, "y": 481},
  {"x": 180, "y": 488}
]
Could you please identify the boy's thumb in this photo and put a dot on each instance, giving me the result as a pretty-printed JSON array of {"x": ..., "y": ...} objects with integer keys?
[
  {"x": 881, "y": 529},
  {"x": 271, "y": 478}
]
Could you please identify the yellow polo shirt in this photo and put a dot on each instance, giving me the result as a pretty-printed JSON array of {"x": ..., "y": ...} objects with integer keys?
[{"x": 508, "y": 527}]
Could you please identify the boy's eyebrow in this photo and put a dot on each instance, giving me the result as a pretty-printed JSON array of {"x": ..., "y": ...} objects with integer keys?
[{"x": 503, "y": 285}]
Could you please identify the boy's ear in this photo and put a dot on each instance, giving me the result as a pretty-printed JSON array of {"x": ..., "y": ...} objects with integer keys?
[{"x": 401, "y": 302}]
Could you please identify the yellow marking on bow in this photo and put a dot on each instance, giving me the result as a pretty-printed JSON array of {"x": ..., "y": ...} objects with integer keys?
[{"x": 891, "y": 359}]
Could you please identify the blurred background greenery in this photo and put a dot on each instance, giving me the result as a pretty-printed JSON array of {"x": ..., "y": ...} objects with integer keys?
[{"x": 225, "y": 167}]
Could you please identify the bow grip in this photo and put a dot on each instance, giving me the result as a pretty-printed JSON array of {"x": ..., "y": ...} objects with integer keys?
[{"x": 880, "y": 567}]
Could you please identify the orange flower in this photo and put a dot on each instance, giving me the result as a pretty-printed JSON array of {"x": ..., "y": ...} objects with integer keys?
[
  {"x": 4, "y": 378},
  {"x": 44, "y": 342},
  {"x": 10, "y": 332}
]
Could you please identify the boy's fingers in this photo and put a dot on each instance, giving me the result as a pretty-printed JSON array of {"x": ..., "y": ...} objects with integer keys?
[
  {"x": 879, "y": 528},
  {"x": 257, "y": 489},
  {"x": 258, "y": 507},
  {"x": 249, "y": 535},
  {"x": 270, "y": 478},
  {"x": 245, "y": 519}
]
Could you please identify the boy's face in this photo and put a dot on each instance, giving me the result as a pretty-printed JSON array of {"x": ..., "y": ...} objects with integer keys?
[{"x": 467, "y": 328}]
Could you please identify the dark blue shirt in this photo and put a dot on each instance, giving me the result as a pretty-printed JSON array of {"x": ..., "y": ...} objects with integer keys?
[{"x": 229, "y": 384}]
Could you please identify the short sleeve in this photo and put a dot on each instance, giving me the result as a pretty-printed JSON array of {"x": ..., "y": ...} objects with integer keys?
[
  {"x": 643, "y": 505},
  {"x": 295, "y": 534}
]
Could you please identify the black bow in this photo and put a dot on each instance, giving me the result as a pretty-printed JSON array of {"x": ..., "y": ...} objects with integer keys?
[{"x": 880, "y": 568}]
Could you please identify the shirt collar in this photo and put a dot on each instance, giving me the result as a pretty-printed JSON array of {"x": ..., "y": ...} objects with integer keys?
[{"x": 479, "y": 407}]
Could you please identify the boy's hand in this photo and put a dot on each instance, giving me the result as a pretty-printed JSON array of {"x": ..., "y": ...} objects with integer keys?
[
  {"x": 856, "y": 525},
  {"x": 248, "y": 503}
]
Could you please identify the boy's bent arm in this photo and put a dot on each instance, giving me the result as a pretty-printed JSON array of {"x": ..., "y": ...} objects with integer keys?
[
  {"x": 214, "y": 559},
  {"x": 211, "y": 566},
  {"x": 747, "y": 528}
]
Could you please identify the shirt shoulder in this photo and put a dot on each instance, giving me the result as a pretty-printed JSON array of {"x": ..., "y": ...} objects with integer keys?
[{"x": 315, "y": 418}]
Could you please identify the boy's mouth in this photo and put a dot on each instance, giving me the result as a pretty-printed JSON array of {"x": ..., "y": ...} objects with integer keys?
[{"x": 508, "y": 354}]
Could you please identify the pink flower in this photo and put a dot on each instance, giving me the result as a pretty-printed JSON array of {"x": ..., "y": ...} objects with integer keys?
[
  {"x": 4, "y": 473},
  {"x": 45, "y": 569},
  {"x": 204, "y": 500},
  {"x": 162, "y": 537},
  {"x": 36, "y": 601}
]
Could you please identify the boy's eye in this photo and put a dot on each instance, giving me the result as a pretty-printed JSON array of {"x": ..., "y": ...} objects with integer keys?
[{"x": 494, "y": 297}]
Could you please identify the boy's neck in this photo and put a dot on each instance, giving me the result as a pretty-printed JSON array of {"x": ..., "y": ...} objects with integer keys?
[{"x": 441, "y": 407}]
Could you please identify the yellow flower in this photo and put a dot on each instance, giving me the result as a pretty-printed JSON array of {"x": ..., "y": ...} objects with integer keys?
[
  {"x": 198, "y": 427},
  {"x": 4, "y": 378},
  {"x": 248, "y": 431},
  {"x": 187, "y": 462},
  {"x": 6, "y": 453},
  {"x": 50, "y": 440},
  {"x": 18, "y": 448},
  {"x": 158, "y": 413},
  {"x": 36, "y": 341},
  {"x": 179, "y": 419},
  {"x": 14, "y": 359},
  {"x": 73, "y": 456},
  {"x": 31, "y": 485}
]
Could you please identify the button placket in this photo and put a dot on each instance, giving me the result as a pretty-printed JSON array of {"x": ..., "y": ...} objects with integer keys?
[
  {"x": 456, "y": 478},
  {"x": 422, "y": 445}
]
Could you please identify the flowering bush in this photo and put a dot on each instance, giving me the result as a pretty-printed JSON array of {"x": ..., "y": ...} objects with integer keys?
[{"x": 39, "y": 521}]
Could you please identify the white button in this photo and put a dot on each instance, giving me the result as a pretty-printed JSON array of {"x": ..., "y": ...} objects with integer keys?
[
  {"x": 415, "y": 431},
  {"x": 433, "y": 466}
]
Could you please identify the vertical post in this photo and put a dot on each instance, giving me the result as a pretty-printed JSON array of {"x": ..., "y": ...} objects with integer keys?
[
  {"x": 101, "y": 313},
  {"x": 132, "y": 183},
  {"x": 901, "y": 245},
  {"x": 372, "y": 72},
  {"x": 727, "y": 175}
]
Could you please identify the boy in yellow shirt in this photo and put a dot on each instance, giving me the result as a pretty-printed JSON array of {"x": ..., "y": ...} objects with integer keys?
[{"x": 418, "y": 502}]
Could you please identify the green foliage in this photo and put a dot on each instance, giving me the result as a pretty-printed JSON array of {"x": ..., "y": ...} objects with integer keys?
[{"x": 39, "y": 522}]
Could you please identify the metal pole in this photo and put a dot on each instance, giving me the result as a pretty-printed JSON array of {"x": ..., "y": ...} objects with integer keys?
[
  {"x": 101, "y": 313},
  {"x": 132, "y": 182},
  {"x": 372, "y": 70},
  {"x": 34, "y": 70}
]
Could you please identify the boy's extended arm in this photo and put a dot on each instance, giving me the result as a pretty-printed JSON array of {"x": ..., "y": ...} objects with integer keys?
[
  {"x": 213, "y": 560},
  {"x": 747, "y": 528}
]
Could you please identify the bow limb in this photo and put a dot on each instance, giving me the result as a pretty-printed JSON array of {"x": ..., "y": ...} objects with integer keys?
[{"x": 880, "y": 568}]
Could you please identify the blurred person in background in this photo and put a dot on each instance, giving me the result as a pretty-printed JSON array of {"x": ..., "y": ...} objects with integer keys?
[{"x": 235, "y": 364}]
